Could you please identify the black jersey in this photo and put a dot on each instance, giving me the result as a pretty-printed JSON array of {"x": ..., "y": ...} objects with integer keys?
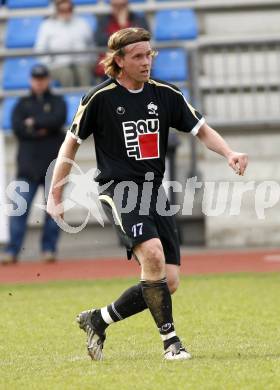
[{"x": 130, "y": 129}]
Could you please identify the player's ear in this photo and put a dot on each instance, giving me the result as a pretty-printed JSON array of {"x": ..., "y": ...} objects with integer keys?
[{"x": 119, "y": 61}]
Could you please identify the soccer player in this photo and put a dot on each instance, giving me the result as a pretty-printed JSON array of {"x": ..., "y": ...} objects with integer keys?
[{"x": 129, "y": 116}]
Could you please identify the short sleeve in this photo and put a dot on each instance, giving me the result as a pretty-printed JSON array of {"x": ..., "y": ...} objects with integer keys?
[
  {"x": 184, "y": 116},
  {"x": 84, "y": 120}
]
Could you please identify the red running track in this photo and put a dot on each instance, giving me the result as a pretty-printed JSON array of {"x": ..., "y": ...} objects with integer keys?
[{"x": 193, "y": 263}]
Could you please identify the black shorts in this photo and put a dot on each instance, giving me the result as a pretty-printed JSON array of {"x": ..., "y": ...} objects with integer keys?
[{"x": 137, "y": 225}]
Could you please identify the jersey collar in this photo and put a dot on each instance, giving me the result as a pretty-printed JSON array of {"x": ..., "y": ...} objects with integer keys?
[{"x": 130, "y": 90}]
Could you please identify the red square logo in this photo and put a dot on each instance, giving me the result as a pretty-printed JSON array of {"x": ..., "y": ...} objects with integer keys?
[{"x": 149, "y": 145}]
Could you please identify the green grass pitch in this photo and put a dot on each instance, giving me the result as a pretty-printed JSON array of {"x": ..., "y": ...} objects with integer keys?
[{"x": 230, "y": 323}]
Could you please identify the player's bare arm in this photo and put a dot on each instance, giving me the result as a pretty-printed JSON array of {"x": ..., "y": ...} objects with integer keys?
[
  {"x": 61, "y": 171},
  {"x": 213, "y": 141}
]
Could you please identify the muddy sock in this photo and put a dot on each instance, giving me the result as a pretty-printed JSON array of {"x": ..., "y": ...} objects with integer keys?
[{"x": 158, "y": 300}]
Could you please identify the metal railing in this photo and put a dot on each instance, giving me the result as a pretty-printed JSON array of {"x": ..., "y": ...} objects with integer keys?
[{"x": 25, "y": 53}]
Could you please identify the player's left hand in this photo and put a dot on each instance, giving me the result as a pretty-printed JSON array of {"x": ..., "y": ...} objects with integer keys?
[
  {"x": 55, "y": 207},
  {"x": 238, "y": 162}
]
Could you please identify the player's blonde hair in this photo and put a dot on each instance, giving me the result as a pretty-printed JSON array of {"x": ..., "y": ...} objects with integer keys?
[{"x": 116, "y": 45}]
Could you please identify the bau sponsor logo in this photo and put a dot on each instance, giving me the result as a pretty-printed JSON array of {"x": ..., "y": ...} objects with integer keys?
[{"x": 142, "y": 138}]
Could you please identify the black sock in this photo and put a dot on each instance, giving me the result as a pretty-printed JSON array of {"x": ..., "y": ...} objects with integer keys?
[
  {"x": 97, "y": 321},
  {"x": 129, "y": 303},
  {"x": 158, "y": 300}
]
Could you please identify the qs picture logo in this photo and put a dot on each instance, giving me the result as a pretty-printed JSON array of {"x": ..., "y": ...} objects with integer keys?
[{"x": 142, "y": 138}]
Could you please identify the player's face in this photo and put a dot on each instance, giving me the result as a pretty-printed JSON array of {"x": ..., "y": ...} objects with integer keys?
[{"x": 136, "y": 63}]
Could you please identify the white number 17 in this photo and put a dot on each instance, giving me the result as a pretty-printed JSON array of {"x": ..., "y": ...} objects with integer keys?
[{"x": 137, "y": 229}]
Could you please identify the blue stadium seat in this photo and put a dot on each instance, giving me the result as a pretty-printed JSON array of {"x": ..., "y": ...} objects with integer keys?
[
  {"x": 72, "y": 102},
  {"x": 7, "y": 108},
  {"x": 16, "y": 72},
  {"x": 27, "y": 3},
  {"x": 91, "y": 20},
  {"x": 130, "y": 1},
  {"x": 171, "y": 65},
  {"x": 22, "y": 32},
  {"x": 81, "y": 2},
  {"x": 175, "y": 24}
]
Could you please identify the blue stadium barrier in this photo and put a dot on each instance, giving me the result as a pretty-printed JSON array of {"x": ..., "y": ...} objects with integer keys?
[
  {"x": 7, "y": 108},
  {"x": 16, "y": 72},
  {"x": 22, "y": 32},
  {"x": 27, "y": 3},
  {"x": 72, "y": 102},
  {"x": 131, "y": 1},
  {"x": 91, "y": 20},
  {"x": 81, "y": 2},
  {"x": 175, "y": 24},
  {"x": 171, "y": 65}
]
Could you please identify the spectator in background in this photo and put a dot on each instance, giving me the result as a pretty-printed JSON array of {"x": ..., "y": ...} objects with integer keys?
[
  {"x": 37, "y": 121},
  {"x": 120, "y": 17},
  {"x": 66, "y": 32}
]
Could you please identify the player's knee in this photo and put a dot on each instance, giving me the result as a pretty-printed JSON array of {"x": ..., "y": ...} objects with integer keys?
[
  {"x": 173, "y": 284},
  {"x": 155, "y": 260}
]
